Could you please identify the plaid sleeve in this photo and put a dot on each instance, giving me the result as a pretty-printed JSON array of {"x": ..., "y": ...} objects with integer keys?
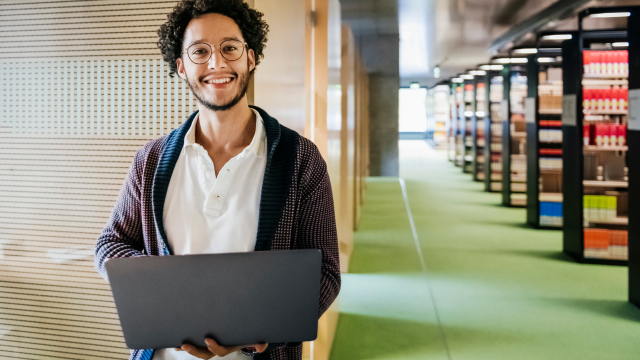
[{"x": 122, "y": 236}]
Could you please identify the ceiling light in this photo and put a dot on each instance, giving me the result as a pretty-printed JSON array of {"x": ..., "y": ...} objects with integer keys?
[
  {"x": 492, "y": 67},
  {"x": 619, "y": 44},
  {"x": 546, "y": 60},
  {"x": 414, "y": 85},
  {"x": 510, "y": 60},
  {"x": 457, "y": 80},
  {"x": 436, "y": 72},
  {"x": 557, "y": 37},
  {"x": 525, "y": 51},
  {"x": 478, "y": 72},
  {"x": 610, "y": 15},
  {"x": 466, "y": 77}
]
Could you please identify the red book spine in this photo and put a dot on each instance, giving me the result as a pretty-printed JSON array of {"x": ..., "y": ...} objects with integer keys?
[
  {"x": 613, "y": 134},
  {"x": 586, "y": 60},
  {"x": 615, "y": 95},
  {"x": 600, "y": 99},
  {"x": 586, "y": 134},
  {"x": 622, "y": 135}
]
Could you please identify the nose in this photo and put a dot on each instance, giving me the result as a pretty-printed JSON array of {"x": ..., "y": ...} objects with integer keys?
[{"x": 216, "y": 61}]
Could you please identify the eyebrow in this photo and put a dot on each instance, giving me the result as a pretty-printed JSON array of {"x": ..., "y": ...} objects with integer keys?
[{"x": 201, "y": 41}]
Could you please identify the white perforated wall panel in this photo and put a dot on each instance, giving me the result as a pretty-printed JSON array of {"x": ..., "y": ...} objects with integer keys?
[{"x": 82, "y": 87}]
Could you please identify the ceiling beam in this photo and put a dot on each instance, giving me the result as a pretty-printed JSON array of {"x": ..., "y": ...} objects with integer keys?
[
  {"x": 505, "y": 15},
  {"x": 558, "y": 11}
]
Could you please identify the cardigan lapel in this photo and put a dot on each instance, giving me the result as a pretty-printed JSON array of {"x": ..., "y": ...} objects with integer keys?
[
  {"x": 282, "y": 145},
  {"x": 166, "y": 164}
]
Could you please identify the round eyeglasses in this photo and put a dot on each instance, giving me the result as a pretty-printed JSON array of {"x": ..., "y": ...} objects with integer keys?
[{"x": 200, "y": 53}]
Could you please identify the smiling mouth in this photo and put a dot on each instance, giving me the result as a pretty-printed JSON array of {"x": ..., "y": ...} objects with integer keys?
[{"x": 218, "y": 81}]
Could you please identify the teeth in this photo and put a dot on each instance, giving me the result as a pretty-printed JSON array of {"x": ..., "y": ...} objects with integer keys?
[{"x": 220, "y": 81}]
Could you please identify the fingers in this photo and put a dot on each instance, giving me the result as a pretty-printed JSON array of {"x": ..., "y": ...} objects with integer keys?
[
  {"x": 200, "y": 353},
  {"x": 261, "y": 347},
  {"x": 220, "y": 350}
]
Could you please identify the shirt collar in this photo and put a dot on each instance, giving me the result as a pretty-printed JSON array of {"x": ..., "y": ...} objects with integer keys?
[{"x": 258, "y": 144}]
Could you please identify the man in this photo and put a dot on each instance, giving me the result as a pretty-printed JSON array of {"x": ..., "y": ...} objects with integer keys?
[{"x": 231, "y": 178}]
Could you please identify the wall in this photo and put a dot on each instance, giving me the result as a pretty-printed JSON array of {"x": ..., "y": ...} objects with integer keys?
[
  {"x": 279, "y": 81},
  {"x": 72, "y": 115}
]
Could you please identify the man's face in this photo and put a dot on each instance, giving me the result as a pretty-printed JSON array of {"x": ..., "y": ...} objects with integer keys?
[{"x": 218, "y": 84}]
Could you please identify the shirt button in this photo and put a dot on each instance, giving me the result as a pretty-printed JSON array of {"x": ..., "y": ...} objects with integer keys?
[
  {"x": 214, "y": 196},
  {"x": 204, "y": 167}
]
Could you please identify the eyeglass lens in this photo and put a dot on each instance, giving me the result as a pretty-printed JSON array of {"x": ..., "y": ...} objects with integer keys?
[{"x": 200, "y": 53}]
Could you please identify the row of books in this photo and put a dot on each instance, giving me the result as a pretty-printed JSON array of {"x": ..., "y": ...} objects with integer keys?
[
  {"x": 605, "y": 135},
  {"x": 545, "y": 151},
  {"x": 518, "y": 164},
  {"x": 611, "y": 99},
  {"x": 468, "y": 93},
  {"x": 600, "y": 208},
  {"x": 550, "y": 135},
  {"x": 550, "y": 102},
  {"x": 550, "y": 163},
  {"x": 606, "y": 244},
  {"x": 550, "y": 213},
  {"x": 606, "y": 62},
  {"x": 554, "y": 123}
]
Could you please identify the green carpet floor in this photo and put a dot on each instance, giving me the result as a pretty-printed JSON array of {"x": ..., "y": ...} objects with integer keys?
[{"x": 492, "y": 288}]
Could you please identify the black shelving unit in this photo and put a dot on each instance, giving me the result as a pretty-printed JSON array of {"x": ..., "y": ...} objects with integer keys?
[
  {"x": 513, "y": 136},
  {"x": 493, "y": 130},
  {"x": 599, "y": 212},
  {"x": 467, "y": 120},
  {"x": 633, "y": 152},
  {"x": 544, "y": 137},
  {"x": 478, "y": 127}
]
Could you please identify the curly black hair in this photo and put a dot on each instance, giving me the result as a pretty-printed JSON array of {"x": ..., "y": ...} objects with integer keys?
[{"x": 254, "y": 29}]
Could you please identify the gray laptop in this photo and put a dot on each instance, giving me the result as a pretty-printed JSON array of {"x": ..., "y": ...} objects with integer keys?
[{"x": 235, "y": 299}]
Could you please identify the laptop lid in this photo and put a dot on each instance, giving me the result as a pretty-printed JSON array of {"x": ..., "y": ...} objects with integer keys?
[{"x": 234, "y": 298}]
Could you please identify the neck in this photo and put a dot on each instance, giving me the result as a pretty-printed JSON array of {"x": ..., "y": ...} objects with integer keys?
[{"x": 225, "y": 129}]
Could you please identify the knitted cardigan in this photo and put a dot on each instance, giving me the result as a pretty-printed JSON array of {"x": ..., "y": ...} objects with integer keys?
[{"x": 296, "y": 211}]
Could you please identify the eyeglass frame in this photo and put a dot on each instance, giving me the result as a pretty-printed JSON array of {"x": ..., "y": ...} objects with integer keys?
[{"x": 213, "y": 47}]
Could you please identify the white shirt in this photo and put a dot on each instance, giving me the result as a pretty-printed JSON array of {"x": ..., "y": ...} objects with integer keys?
[{"x": 208, "y": 215}]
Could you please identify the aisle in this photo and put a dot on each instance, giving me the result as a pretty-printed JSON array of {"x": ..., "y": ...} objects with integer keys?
[{"x": 493, "y": 288}]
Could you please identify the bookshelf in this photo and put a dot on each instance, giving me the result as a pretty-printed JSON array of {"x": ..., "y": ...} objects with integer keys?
[
  {"x": 493, "y": 129},
  {"x": 598, "y": 137},
  {"x": 451, "y": 123},
  {"x": 440, "y": 99},
  {"x": 478, "y": 126},
  {"x": 467, "y": 120},
  {"x": 514, "y": 163},
  {"x": 457, "y": 88},
  {"x": 544, "y": 138}
]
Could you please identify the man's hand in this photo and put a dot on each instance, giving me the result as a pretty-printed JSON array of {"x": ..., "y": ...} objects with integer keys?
[{"x": 213, "y": 349}]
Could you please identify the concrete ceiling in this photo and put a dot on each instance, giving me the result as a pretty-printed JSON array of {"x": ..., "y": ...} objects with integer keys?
[{"x": 451, "y": 34}]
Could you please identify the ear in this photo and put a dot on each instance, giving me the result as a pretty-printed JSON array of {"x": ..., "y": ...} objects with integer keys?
[
  {"x": 251, "y": 59},
  {"x": 181, "y": 71}
]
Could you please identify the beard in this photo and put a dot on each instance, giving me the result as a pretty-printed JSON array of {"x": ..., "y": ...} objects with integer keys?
[{"x": 243, "y": 85}]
